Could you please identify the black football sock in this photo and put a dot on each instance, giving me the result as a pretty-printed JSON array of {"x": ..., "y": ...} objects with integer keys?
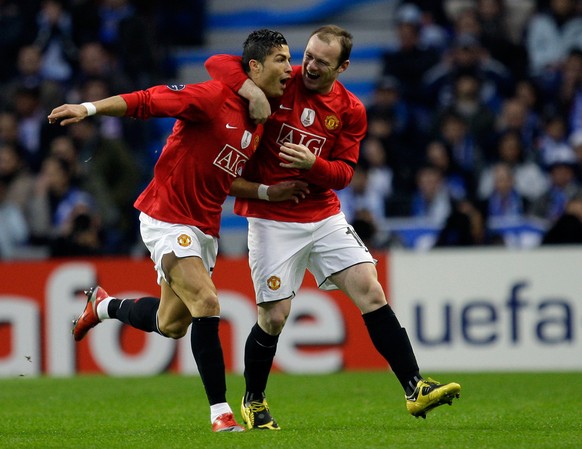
[
  {"x": 141, "y": 313},
  {"x": 260, "y": 350},
  {"x": 392, "y": 342},
  {"x": 113, "y": 307},
  {"x": 209, "y": 358}
]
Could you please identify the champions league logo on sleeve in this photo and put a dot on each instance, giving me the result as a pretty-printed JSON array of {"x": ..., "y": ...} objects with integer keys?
[{"x": 176, "y": 87}]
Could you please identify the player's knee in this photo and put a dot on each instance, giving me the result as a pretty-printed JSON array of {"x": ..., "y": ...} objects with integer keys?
[
  {"x": 376, "y": 295},
  {"x": 175, "y": 329},
  {"x": 370, "y": 298},
  {"x": 274, "y": 322},
  {"x": 205, "y": 303}
]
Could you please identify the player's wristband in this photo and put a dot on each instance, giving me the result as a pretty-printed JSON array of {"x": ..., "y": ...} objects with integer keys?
[
  {"x": 262, "y": 192},
  {"x": 91, "y": 109}
]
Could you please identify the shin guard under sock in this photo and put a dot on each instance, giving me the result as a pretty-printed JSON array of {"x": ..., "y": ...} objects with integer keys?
[
  {"x": 140, "y": 313},
  {"x": 392, "y": 342},
  {"x": 209, "y": 358},
  {"x": 260, "y": 349}
]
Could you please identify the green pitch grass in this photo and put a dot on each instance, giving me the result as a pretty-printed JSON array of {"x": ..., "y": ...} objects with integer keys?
[{"x": 344, "y": 410}]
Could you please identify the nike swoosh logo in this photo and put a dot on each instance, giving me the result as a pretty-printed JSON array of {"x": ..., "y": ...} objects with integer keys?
[
  {"x": 230, "y": 126},
  {"x": 285, "y": 108}
]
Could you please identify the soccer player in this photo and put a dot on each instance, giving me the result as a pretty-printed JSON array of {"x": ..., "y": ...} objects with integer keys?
[
  {"x": 212, "y": 139},
  {"x": 313, "y": 135}
]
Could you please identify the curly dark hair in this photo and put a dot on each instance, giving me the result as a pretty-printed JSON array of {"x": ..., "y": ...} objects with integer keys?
[{"x": 259, "y": 44}]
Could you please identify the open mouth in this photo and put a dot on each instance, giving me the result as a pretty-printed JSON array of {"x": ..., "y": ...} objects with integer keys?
[
  {"x": 311, "y": 76},
  {"x": 284, "y": 82}
]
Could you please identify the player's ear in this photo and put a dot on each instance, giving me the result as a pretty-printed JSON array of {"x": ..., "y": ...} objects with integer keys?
[
  {"x": 343, "y": 66},
  {"x": 255, "y": 66}
]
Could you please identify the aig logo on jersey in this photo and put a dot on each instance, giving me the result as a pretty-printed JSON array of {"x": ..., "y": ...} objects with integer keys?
[
  {"x": 232, "y": 160},
  {"x": 300, "y": 137},
  {"x": 176, "y": 87}
]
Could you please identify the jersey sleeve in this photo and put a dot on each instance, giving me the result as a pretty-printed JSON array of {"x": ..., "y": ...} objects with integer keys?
[
  {"x": 192, "y": 102},
  {"x": 336, "y": 171},
  {"x": 228, "y": 69},
  {"x": 334, "y": 175}
]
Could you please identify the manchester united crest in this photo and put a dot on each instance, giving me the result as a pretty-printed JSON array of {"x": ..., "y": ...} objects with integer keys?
[
  {"x": 274, "y": 283},
  {"x": 184, "y": 240},
  {"x": 332, "y": 122}
]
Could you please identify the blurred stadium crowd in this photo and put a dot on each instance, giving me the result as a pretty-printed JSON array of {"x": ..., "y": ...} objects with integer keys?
[{"x": 476, "y": 118}]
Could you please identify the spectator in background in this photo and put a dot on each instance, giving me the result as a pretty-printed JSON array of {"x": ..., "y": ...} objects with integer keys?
[
  {"x": 80, "y": 235},
  {"x": 32, "y": 130},
  {"x": 55, "y": 40},
  {"x": 529, "y": 94},
  {"x": 530, "y": 180},
  {"x": 466, "y": 21},
  {"x": 56, "y": 202},
  {"x": 18, "y": 181},
  {"x": 379, "y": 176},
  {"x": 400, "y": 157},
  {"x": 96, "y": 62},
  {"x": 553, "y": 139},
  {"x": 64, "y": 148},
  {"x": 504, "y": 201},
  {"x": 17, "y": 29},
  {"x": 438, "y": 154},
  {"x": 563, "y": 186},
  {"x": 110, "y": 173},
  {"x": 362, "y": 206},
  {"x": 410, "y": 61},
  {"x": 494, "y": 27},
  {"x": 464, "y": 226},
  {"x": 132, "y": 42},
  {"x": 433, "y": 33},
  {"x": 568, "y": 228},
  {"x": 567, "y": 97},
  {"x": 468, "y": 56},
  {"x": 467, "y": 104},
  {"x": 431, "y": 201},
  {"x": 575, "y": 141},
  {"x": 29, "y": 75},
  {"x": 515, "y": 117},
  {"x": 436, "y": 10},
  {"x": 13, "y": 226},
  {"x": 387, "y": 102},
  {"x": 9, "y": 130},
  {"x": 550, "y": 34},
  {"x": 464, "y": 151}
]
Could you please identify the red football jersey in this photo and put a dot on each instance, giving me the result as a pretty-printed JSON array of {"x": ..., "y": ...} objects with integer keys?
[
  {"x": 211, "y": 141},
  {"x": 331, "y": 125}
]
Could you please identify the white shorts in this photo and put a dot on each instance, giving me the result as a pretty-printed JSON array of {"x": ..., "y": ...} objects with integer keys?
[
  {"x": 183, "y": 240},
  {"x": 280, "y": 252}
]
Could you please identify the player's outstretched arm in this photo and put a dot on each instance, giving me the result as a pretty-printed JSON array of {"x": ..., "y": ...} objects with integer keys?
[{"x": 73, "y": 113}]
